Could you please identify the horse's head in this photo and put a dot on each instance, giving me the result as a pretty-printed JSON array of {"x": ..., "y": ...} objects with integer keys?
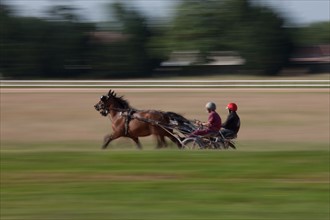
[
  {"x": 110, "y": 101},
  {"x": 101, "y": 105}
]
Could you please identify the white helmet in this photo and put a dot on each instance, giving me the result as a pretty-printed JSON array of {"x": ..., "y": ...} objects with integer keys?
[{"x": 211, "y": 106}]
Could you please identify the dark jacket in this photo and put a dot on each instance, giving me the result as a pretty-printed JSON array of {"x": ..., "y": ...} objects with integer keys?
[{"x": 232, "y": 123}]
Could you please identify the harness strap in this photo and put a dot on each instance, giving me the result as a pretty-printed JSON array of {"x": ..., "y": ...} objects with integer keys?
[{"x": 128, "y": 118}]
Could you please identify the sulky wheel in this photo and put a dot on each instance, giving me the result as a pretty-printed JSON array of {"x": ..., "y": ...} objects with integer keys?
[{"x": 191, "y": 144}]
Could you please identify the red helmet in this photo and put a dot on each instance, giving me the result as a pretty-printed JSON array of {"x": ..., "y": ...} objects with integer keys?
[{"x": 232, "y": 107}]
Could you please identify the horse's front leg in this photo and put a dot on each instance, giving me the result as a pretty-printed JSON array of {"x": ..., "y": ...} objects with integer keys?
[
  {"x": 107, "y": 139},
  {"x": 137, "y": 141},
  {"x": 110, "y": 137}
]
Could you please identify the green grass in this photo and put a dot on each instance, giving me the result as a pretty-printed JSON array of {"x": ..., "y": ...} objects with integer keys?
[{"x": 163, "y": 184}]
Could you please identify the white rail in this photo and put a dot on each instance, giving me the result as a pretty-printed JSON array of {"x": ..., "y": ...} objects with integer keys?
[{"x": 165, "y": 83}]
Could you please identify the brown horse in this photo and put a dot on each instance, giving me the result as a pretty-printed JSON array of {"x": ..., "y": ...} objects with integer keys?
[{"x": 132, "y": 123}]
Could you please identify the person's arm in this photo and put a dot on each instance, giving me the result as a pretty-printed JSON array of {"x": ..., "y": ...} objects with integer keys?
[
  {"x": 199, "y": 123},
  {"x": 206, "y": 124},
  {"x": 209, "y": 122}
]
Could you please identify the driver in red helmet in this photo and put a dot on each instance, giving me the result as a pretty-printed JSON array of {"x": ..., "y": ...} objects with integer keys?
[{"x": 232, "y": 124}]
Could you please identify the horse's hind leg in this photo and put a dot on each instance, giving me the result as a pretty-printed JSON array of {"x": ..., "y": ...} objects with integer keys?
[
  {"x": 161, "y": 141},
  {"x": 175, "y": 140}
]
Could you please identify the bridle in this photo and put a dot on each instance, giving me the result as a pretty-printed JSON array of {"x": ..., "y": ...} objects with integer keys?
[{"x": 105, "y": 110}]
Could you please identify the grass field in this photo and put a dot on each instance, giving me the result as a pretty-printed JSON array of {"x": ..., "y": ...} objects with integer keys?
[
  {"x": 165, "y": 184},
  {"x": 52, "y": 166}
]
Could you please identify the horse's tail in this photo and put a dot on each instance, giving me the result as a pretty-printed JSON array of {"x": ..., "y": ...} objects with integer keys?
[
  {"x": 183, "y": 123},
  {"x": 176, "y": 117}
]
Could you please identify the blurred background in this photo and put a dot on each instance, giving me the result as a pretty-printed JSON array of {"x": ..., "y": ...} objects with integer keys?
[
  {"x": 51, "y": 165},
  {"x": 108, "y": 39}
]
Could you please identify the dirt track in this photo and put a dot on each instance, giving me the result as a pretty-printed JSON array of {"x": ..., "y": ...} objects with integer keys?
[{"x": 32, "y": 115}]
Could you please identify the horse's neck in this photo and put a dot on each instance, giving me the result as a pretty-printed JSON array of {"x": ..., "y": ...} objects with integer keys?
[{"x": 113, "y": 115}]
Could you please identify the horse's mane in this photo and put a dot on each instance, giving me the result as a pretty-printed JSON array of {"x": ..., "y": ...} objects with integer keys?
[{"x": 123, "y": 103}]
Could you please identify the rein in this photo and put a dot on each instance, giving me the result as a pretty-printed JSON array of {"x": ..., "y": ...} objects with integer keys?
[
  {"x": 107, "y": 110},
  {"x": 119, "y": 109}
]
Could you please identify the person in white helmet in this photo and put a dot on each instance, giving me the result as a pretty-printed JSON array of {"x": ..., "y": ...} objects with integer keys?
[{"x": 213, "y": 123}]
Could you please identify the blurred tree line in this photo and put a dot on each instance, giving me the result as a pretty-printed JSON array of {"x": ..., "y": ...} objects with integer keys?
[{"x": 63, "y": 45}]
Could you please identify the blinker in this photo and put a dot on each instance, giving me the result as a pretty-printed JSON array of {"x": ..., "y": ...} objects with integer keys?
[{"x": 103, "y": 98}]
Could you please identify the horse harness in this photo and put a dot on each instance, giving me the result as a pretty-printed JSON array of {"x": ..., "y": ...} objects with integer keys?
[{"x": 128, "y": 114}]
